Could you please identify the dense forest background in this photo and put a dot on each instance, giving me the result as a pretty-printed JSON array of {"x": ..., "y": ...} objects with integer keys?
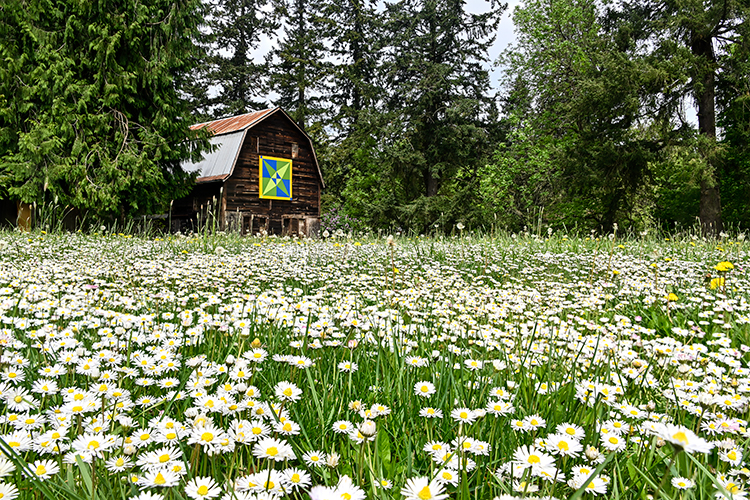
[{"x": 588, "y": 127}]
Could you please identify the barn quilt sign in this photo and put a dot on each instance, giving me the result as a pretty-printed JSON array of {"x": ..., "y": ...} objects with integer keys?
[{"x": 275, "y": 178}]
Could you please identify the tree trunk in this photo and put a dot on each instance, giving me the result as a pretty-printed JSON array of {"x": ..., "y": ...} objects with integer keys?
[
  {"x": 705, "y": 89},
  {"x": 431, "y": 183}
]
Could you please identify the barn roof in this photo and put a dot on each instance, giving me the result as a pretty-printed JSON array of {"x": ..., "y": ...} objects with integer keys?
[
  {"x": 228, "y": 136},
  {"x": 234, "y": 123},
  {"x": 218, "y": 164}
]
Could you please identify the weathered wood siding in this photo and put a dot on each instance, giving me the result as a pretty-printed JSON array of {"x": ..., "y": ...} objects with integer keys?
[{"x": 274, "y": 136}]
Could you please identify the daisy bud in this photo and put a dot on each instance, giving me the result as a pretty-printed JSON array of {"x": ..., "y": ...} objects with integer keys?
[
  {"x": 660, "y": 442},
  {"x": 129, "y": 449},
  {"x": 389, "y": 240},
  {"x": 368, "y": 428},
  {"x": 727, "y": 444},
  {"x": 510, "y": 384},
  {"x": 332, "y": 459},
  {"x": 125, "y": 421},
  {"x": 255, "y": 343},
  {"x": 241, "y": 387},
  {"x": 592, "y": 453},
  {"x": 651, "y": 406},
  {"x": 498, "y": 364},
  {"x": 230, "y": 360}
]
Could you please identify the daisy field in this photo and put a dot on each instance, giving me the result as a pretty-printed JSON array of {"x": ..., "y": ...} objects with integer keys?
[{"x": 467, "y": 367}]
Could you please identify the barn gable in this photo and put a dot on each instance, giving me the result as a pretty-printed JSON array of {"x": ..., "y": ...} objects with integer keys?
[
  {"x": 228, "y": 134},
  {"x": 265, "y": 148}
]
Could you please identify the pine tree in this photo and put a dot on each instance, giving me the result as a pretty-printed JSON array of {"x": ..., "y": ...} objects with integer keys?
[
  {"x": 353, "y": 32},
  {"x": 90, "y": 108},
  {"x": 695, "y": 41},
  {"x": 237, "y": 28},
  {"x": 297, "y": 66},
  {"x": 439, "y": 90}
]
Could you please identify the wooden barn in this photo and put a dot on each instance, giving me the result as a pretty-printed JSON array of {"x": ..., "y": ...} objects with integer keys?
[{"x": 262, "y": 177}]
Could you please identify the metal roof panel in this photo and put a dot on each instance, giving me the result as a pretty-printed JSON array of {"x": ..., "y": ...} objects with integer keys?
[
  {"x": 233, "y": 123},
  {"x": 217, "y": 164}
]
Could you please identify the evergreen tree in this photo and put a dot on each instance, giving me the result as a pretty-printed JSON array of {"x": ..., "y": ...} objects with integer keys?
[
  {"x": 355, "y": 40},
  {"x": 695, "y": 42},
  {"x": 353, "y": 98},
  {"x": 237, "y": 28},
  {"x": 297, "y": 66},
  {"x": 733, "y": 103},
  {"x": 438, "y": 87},
  {"x": 90, "y": 107}
]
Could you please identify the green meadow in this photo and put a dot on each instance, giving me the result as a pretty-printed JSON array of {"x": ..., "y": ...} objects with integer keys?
[{"x": 466, "y": 367}]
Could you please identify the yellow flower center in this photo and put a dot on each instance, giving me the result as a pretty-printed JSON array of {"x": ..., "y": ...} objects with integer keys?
[
  {"x": 534, "y": 459},
  {"x": 164, "y": 458},
  {"x": 295, "y": 478},
  {"x": 563, "y": 446},
  {"x": 159, "y": 479},
  {"x": 203, "y": 490},
  {"x": 207, "y": 436},
  {"x": 273, "y": 451},
  {"x": 288, "y": 392},
  {"x": 41, "y": 470},
  {"x": 681, "y": 437},
  {"x": 425, "y": 493}
]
